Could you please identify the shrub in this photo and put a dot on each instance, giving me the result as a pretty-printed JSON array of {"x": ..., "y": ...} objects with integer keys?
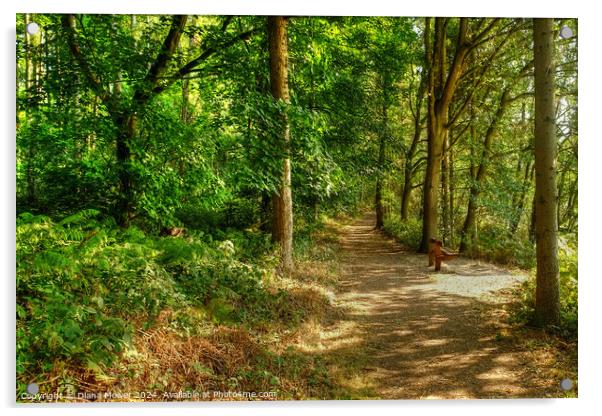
[
  {"x": 237, "y": 213},
  {"x": 199, "y": 217},
  {"x": 568, "y": 280},
  {"x": 494, "y": 244},
  {"x": 408, "y": 233},
  {"x": 78, "y": 282},
  {"x": 240, "y": 213},
  {"x": 83, "y": 283}
]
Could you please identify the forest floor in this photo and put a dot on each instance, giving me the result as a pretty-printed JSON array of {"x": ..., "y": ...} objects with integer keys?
[{"x": 403, "y": 331}]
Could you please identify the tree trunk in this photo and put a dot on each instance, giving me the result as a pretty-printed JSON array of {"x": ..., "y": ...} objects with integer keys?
[
  {"x": 409, "y": 170},
  {"x": 452, "y": 191},
  {"x": 445, "y": 190},
  {"x": 475, "y": 187},
  {"x": 378, "y": 199},
  {"x": 569, "y": 217},
  {"x": 185, "y": 111},
  {"x": 125, "y": 117},
  {"x": 442, "y": 84},
  {"x": 520, "y": 200},
  {"x": 430, "y": 213},
  {"x": 547, "y": 303},
  {"x": 436, "y": 123},
  {"x": 185, "y": 115},
  {"x": 519, "y": 170},
  {"x": 282, "y": 231},
  {"x": 266, "y": 213},
  {"x": 532, "y": 221},
  {"x": 406, "y": 191}
]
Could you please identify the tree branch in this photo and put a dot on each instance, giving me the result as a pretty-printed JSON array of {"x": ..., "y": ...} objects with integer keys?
[
  {"x": 207, "y": 53},
  {"x": 68, "y": 22},
  {"x": 157, "y": 69},
  {"x": 476, "y": 40},
  {"x": 169, "y": 47},
  {"x": 485, "y": 69},
  {"x": 456, "y": 66},
  {"x": 226, "y": 23}
]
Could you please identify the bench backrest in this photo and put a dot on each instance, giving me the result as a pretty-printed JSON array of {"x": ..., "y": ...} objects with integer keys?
[{"x": 435, "y": 246}]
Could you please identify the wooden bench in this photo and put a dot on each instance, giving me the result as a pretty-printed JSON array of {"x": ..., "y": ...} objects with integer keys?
[{"x": 437, "y": 253}]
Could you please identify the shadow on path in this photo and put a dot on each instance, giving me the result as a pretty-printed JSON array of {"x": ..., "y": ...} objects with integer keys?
[{"x": 421, "y": 334}]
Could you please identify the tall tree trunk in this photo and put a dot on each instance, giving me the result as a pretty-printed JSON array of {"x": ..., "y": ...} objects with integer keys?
[
  {"x": 125, "y": 116},
  {"x": 547, "y": 301},
  {"x": 532, "y": 220},
  {"x": 262, "y": 87},
  {"x": 519, "y": 203},
  {"x": 452, "y": 190},
  {"x": 430, "y": 223},
  {"x": 266, "y": 213},
  {"x": 378, "y": 198},
  {"x": 442, "y": 84},
  {"x": 569, "y": 216},
  {"x": 282, "y": 231},
  {"x": 445, "y": 189},
  {"x": 519, "y": 171},
  {"x": 406, "y": 191},
  {"x": 436, "y": 123},
  {"x": 560, "y": 195},
  {"x": 185, "y": 110}
]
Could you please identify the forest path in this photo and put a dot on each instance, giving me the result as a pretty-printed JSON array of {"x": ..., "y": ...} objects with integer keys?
[{"x": 415, "y": 333}]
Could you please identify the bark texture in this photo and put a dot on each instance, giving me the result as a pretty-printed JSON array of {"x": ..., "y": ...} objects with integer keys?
[
  {"x": 282, "y": 230},
  {"x": 547, "y": 304}
]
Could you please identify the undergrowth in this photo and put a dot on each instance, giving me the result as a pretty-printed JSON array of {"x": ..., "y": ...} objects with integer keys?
[
  {"x": 493, "y": 243},
  {"x": 408, "y": 233},
  {"x": 568, "y": 286},
  {"x": 99, "y": 306}
]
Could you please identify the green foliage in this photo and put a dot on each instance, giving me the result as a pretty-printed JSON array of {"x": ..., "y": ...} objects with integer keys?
[
  {"x": 236, "y": 213},
  {"x": 82, "y": 283},
  {"x": 494, "y": 244},
  {"x": 407, "y": 233},
  {"x": 568, "y": 282},
  {"x": 61, "y": 311},
  {"x": 568, "y": 262},
  {"x": 199, "y": 218}
]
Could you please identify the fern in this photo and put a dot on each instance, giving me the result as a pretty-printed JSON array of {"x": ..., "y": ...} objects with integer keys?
[{"x": 80, "y": 217}]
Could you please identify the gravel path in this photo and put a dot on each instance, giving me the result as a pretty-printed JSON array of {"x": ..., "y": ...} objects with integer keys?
[{"x": 426, "y": 334}]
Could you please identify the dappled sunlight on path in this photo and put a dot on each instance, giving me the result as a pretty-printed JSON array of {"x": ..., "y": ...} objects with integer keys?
[{"x": 418, "y": 333}]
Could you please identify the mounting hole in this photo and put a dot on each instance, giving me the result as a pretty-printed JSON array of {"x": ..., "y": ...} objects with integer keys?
[
  {"x": 566, "y": 32},
  {"x": 566, "y": 384},
  {"x": 33, "y": 388},
  {"x": 32, "y": 28}
]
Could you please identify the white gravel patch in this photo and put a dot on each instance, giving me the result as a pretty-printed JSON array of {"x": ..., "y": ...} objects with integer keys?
[{"x": 486, "y": 286}]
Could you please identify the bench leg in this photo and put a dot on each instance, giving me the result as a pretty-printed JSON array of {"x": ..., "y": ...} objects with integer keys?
[{"x": 437, "y": 264}]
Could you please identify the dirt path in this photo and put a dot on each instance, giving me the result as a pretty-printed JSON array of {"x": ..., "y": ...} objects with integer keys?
[{"x": 416, "y": 333}]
